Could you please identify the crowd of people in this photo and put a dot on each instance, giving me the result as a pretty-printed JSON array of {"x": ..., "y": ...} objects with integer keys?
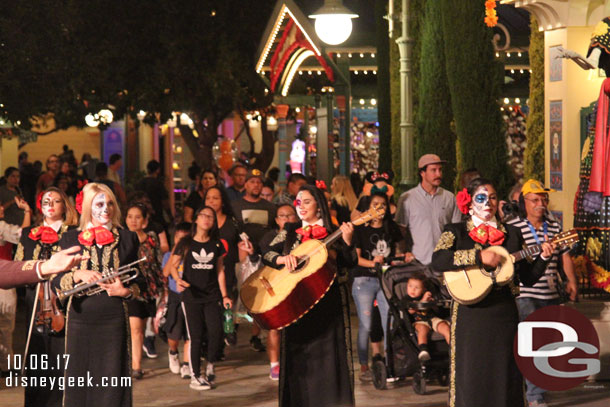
[{"x": 196, "y": 263}]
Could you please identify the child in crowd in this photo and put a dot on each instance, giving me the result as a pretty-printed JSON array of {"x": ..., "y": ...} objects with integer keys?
[
  {"x": 205, "y": 291},
  {"x": 175, "y": 326},
  {"x": 424, "y": 320}
]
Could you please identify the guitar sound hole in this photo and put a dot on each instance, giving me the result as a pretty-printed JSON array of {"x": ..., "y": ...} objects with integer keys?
[{"x": 301, "y": 264}]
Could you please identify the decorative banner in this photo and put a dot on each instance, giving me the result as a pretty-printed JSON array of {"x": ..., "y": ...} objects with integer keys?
[
  {"x": 555, "y": 149},
  {"x": 555, "y": 64},
  {"x": 558, "y": 216}
]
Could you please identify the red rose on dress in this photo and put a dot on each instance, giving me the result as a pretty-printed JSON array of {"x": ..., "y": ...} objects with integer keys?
[{"x": 463, "y": 201}]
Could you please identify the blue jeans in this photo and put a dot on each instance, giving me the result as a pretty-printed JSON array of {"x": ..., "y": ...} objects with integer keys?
[
  {"x": 365, "y": 290},
  {"x": 526, "y": 307}
]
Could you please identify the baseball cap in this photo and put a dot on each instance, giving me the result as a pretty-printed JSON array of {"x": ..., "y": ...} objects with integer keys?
[
  {"x": 532, "y": 186},
  {"x": 254, "y": 173},
  {"x": 428, "y": 159}
]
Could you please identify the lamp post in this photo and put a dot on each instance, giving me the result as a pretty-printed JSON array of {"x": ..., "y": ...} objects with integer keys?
[
  {"x": 405, "y": 47},
  {"x": 333, "y": 22}
]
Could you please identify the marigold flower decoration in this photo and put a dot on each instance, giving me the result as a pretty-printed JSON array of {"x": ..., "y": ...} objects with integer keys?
[
  {"x": 463, "y": 200},
  {"x": 321, "y": 185},
  {"x": 39, "y": 201},
  {"x": 491, "y": 17}
]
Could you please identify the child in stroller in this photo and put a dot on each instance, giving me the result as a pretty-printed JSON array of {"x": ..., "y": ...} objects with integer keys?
[
  {"x": 418, "y": 303},
  {"x": 402, "y": 345}
]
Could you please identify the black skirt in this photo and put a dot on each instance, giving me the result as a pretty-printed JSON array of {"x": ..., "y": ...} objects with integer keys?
[
  {"x": 482, "y": 345},
  {"x": 315, "y": 365}
]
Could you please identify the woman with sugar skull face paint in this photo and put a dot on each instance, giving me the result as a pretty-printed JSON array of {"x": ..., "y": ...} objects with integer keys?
[
  {"x": 316, "y": 360},
  {"x": 97, "y": 330},
  {"x": 56, "y": 216},
  {"x": 482, "y": 334}
]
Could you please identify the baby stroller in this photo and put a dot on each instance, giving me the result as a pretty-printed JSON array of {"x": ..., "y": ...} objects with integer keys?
[{"x": 401, "y": 341}]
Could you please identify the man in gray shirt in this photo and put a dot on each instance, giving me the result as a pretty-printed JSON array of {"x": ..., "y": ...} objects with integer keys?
[{"x": 427, "y": 208}]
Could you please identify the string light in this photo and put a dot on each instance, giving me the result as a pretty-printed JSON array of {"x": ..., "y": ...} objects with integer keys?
[
  {"x": 349, "y": 55},
  {"x": 512, "y": 71},
  {"x": 517, "y": 100},
  {"x": 362, "y": 101},
  {"x": 361, "y": 55},
  {"x": 373, "y": 102},
  {"x": 297, "y": 109},
  {"x": 338, "y": 55},
  {"x": 319, "y": 72},
  {"x": 519, "y": 54},
  {"x": 497, "y": 55},
  {"x": 506, "y": 101},
  {"x": 308, "y": 72},
  {"x": 374, "y": 72},
  {"x": 300, "y": 72},
  {"x": 355, "y": 72},
  {"x": 508, "y": 54},
  {"x": 372, "y": 55}
]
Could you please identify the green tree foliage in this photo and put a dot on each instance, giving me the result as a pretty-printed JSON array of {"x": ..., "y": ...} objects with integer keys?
[
  {"x": 434, "y": 112},
  {"x": 71, "y": 58},
  {"x": 534, "y": 152},
  {"x": 474, "y": 81},
  {"x": 383, "y": 87}
]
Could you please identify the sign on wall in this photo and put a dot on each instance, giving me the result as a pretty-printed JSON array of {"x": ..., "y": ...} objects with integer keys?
[{"x": 555, "y": 126}]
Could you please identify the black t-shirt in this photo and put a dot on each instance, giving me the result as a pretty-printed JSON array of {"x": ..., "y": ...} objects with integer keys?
[
  {"x": 255, "y": 218},
  {"x": 194, "y": 201},
  {"x": 374, "y": 242},
  {"x": 200, "y": 272},
  {"x": 229, "y": 232}
]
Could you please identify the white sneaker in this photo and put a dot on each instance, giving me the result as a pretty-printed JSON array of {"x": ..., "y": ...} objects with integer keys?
[
  {"x": 174, "y": 362},
  {"x": 185, "y": 371},
  {"x": 200, "y": 383},
  {"x": 209, "y": 373}
]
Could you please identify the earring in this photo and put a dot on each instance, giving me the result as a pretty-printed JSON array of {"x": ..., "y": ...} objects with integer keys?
[{"x": 470, "y": 212}]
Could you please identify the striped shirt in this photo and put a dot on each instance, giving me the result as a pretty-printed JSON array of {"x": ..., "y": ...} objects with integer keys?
[{"x": 546, "y": 287}]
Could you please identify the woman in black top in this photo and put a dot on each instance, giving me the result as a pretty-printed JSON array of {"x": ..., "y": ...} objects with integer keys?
[
  {"x": 97, "y": 329},
  {"x": 375, "y": 243},
  {"x": 216, "y": 198},
  {"x": 195, "y": 200},
  {"x": 203, "y": 280},
  {"x": 483, "y": 368},
  {"x": 39, "y": 243},
  {"x": 315, "y": 358}
]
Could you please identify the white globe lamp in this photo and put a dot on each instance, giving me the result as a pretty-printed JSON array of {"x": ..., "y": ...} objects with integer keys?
[{"x": 333, "y": 22}]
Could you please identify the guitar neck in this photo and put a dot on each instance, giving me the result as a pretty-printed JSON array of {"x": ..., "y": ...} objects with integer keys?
[
  {"x": 332, "y": 238},
  {"x": 530, "y": 251}
]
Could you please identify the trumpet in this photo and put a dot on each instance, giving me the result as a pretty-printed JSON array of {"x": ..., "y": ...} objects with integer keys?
[{"x": 82, "y": 289}]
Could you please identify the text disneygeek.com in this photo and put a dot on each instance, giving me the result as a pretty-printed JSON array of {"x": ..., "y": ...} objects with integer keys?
[{"x": 16, "y": 380}]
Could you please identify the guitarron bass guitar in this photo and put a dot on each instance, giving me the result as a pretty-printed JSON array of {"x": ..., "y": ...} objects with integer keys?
[{"x": 277, "y": 298}]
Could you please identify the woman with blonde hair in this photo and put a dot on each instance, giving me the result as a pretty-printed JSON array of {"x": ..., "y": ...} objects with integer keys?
[
  {"x": 343, "y": 200},
  {"x": 56, "y": 216},
  {"x": 97, "y": 330}
]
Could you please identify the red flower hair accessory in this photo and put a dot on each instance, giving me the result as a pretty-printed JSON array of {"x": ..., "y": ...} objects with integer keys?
[
  {"x": 321, "y": 185},
  {"x": 463, "y": 201},
  {"x": 79, "y": 202},
  {"x": 80, "y": 184},
  {"x": 39, "y": 201}
]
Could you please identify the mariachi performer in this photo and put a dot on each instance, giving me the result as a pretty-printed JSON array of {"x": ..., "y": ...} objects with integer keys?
[
  {"x": 478, "y": 360},
  {"x": 97, "y": 328},
  {"x": 315, "y": 356},
  {"x": 590, "y": 218},
  {"x": 46, "y": 320}
]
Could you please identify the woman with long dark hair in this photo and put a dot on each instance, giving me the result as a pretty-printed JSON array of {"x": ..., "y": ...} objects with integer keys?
[
  {"x": 375, "y": 242},
  {"x": 39, "y": 243},
  {"x": 207, "y": 179},
  {"x": 315, "y": 358},
  {"x": 203, "y": 281},
  {"x": 483, "y": 368}
]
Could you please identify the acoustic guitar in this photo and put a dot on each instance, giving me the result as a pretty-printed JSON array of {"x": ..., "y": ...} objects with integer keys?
[
  {"x": 276, "y": 298},
  {"x": 470, "y": 285}
]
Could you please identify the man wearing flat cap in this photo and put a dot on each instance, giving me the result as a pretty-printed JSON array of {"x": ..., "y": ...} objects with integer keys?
[{"x": 427, "y": 208}]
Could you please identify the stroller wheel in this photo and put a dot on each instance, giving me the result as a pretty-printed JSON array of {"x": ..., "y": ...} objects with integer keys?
[
  {"x": 419, "y": 383},
  {"x": 380, "y": 375}
]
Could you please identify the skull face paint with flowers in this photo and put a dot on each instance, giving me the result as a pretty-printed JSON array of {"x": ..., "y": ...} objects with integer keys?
[
  {"x": 51, "y": 206},
  {"x": 484, "y": 203},
  {"x": 306, "y": 206},
  {"x": 101, "y": 209}
]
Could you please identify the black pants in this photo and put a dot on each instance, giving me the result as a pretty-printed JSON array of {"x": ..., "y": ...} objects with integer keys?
[{"x": 202, "y": 318}]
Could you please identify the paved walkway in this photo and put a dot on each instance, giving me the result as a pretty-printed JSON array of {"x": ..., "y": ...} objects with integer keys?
[{"x": 242, "y": 380}]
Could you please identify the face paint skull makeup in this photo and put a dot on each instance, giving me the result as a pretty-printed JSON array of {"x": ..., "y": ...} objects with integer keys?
[
  {"x": 480, "y": 204},
  {"x": 101, "y": 212},
  {"x": 51, "y": 206},
  {"x": 306, "y": 206}
]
